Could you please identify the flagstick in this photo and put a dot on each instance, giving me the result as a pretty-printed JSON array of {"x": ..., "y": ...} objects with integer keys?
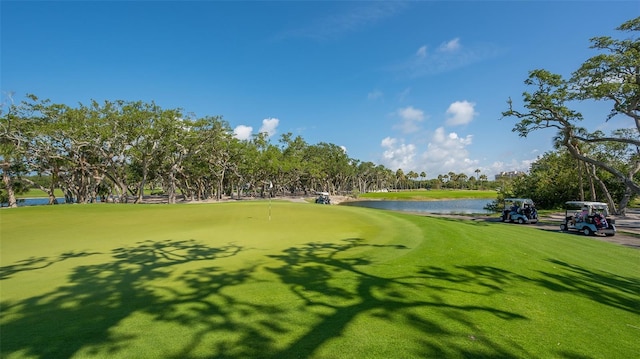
[{"x": 270, "y": 192}]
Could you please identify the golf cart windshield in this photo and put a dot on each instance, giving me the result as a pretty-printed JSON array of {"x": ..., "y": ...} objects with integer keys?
[
  {"x": 589, "y": 207},
  {"x": 518, "y": 202}
]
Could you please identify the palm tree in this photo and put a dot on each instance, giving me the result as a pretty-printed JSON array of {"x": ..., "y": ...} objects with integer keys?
[
  {"x": 483, "y": 178},
  {"x": 453, "y": 178},
  {"x": 462, "y": 179}
]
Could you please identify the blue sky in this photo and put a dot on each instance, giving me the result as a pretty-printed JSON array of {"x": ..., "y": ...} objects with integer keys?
[{"x": 417, "y": 85}]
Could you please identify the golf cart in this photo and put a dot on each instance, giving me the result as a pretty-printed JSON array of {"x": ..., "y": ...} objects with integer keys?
[
  {"x": 323, "y": 198},
  {"x": 589, "y": 218},
  {"x": 519, "y": 210}
]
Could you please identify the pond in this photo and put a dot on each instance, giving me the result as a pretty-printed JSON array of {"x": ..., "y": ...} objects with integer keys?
[
  {"x": 458, "y": 206},
  {"x": 23, "y": 202}
]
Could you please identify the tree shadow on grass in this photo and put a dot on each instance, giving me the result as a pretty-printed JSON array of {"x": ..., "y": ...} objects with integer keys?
[
  {"x": 602, "y": 287},
  {"x": 35, "y": 263},
  {"x": 163, "y": 282},
  {"x": 81, "y": 315},
  {"x": 483, "y": 280},
  {"x": 316, "y": 273}
]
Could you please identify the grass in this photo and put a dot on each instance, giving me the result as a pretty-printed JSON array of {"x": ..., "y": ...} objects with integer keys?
[
  {"x": 222, "y": 280},
  {"x": 38, "y": 193},
  {"x": 430, "y": 195}
]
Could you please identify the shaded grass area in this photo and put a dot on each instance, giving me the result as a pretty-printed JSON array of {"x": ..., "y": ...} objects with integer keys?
[
  {"x": 222, "y": 280},
  {"x": 425, "y": 195}
]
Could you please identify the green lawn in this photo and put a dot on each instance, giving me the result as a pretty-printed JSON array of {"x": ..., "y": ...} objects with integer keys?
[
  {"x": 425, "y": 195},
  {"x": 38, "y": 193},
  {"x": 221, "y": 280}
]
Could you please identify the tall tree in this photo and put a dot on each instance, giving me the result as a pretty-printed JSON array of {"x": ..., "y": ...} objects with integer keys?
[
  {"x": 15, "y": 130},
  {"x": 613, "y": 76}
]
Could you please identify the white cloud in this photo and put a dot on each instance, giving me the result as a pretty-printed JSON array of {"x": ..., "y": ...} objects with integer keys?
[
  {"x": 410, "y": 117},
  {"x": 397, "y": 154},
  {"x": 448, "y": 152},
  {"x": 450, "y": 46},
  {"x": 242, "y": 132},
  {"x": 269, "y": 126},
  {"x": 411, "y": 114},
  {"x": 351, "y": 19},
  {"x": 460, "y": 113},
  {"x": 499, "y": 166},
  {"x": 374, "y": 95},
  {"x": 445, "y": 147},
  {"x": 449, "y": 56},
  {"x": 404, "y": 94},
  {"x": 445, "y": 152}
]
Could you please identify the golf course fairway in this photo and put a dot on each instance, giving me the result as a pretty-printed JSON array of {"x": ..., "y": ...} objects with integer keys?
[{"x": 261, "y": 279}]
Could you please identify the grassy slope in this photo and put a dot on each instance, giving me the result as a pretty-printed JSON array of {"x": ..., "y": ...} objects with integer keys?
[{"x": 191, "y": 281}]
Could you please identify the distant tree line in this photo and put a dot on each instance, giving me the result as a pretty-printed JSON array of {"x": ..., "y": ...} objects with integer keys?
[
  {"x": 117, "y": 151},
  {"x": 113, "y": 151}
]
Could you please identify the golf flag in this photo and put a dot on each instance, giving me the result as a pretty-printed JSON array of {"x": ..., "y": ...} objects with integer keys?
[{"x": 270, "y": 187}]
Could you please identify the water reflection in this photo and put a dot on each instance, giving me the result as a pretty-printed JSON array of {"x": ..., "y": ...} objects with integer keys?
[{"x": 465, "y": 206}]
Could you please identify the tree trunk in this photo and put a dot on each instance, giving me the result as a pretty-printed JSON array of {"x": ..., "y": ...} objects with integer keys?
[
  {"x": 592, "y": 187},
  {"x": 171, "y": 190},
  {"x": 581, "y": 171},
  {"x": 624, "y": 202},
  {"x": 605, "y": 190},
  {"x": 6, "y": 179},
  {"x": 143, "y": 182},
  {"x": 48, "y": 191}
]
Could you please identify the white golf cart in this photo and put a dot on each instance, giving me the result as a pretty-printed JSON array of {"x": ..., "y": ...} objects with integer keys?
[
  {"x": 519, "y": 210},
  {"x": 589, "y": 218},
  {"x": 323, "y": 198}
]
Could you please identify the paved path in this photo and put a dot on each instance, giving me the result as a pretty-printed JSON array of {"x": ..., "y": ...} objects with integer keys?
[{"x": 629, "y": 223}]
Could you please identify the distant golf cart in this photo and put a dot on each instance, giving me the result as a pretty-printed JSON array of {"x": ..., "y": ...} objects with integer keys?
[
  {"x": 519, "y": 210},
  {"x": 323, "y": 198},
  {"x": 589, "y": 218}
]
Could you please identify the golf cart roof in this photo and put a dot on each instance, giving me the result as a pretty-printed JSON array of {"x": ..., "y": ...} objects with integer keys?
[
  {"x": 597, "y": 205},
  {"x": 523, "y": 200},
  {"x": 322, "y": 193}
]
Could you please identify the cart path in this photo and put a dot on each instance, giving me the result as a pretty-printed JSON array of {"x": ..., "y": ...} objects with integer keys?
[{"x": 628, "y": 227}]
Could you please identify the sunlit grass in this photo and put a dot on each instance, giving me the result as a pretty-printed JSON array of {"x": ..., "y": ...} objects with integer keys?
[
  {"x": 38, "y": 193},
  {"x": 295, "y": 280}
]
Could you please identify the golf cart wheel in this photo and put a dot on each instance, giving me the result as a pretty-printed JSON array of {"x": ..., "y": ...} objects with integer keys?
[
  {"x": 587, "y": 231},
  {"x": 520, "y": 221},
  {"x": 563, "y": 227}
]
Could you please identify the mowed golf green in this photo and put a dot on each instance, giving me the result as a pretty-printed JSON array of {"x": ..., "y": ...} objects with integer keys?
[{"x": 255, "y": 279}]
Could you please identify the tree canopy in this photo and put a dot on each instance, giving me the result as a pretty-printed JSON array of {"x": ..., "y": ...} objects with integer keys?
[
  {"x": 112, "y": 151},
  {"x": 612, "y": 76}
]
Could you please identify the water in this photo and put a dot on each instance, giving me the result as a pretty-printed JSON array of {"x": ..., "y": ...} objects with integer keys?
[
  {"x": 24, "y": 202},
  {"x": 458, "y": 206}
]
